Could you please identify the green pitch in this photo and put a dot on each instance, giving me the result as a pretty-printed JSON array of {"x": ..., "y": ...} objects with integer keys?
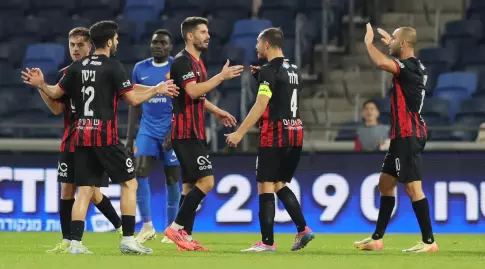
[{"x": 27, "y": 250}]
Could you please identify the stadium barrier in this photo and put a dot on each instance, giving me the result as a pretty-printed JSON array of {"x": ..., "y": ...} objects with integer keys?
[{"x": 337, "y": 191}]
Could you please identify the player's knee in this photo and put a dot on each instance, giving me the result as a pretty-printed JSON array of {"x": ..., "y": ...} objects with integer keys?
[
  {"x": 186, "y": 188},
  {"x": 279, "y": 185},
  {"x": 68, "y": 190},
  {"x": 86, "y": 192},
  {"x": 206, "y": 184},
  {"x": 97, "y": 196},
  {"x": 387, "y": 185},
  {"x": 414, "y": 190},
  {"x": 130, "y": 185}
]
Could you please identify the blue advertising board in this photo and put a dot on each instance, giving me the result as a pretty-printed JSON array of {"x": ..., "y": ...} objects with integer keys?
[{"x": 337, "y": 191}]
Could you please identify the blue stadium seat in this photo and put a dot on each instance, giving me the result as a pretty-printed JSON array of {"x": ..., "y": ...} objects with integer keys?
[
  {"x": 232, "y": 10},
  {"x": 114, "y": 6},
  {"x": 471, "y": 107},
  {"x": 141, "y": 12},
  {"x": 464, "y": 33},
  {"x": 31, "y": 28},
  {"x": 188, "y": 7},
  {"x": 220, "y": 30},
  {"x": 13, "y": 7},
  {"x": 11, "y": 79},
  {"x": 244, "y": 36},
  {"x": 42, "y": 6},
  {"x": 285, "y": 19},
  {"x": 158, "y": 5},
  {"x": 466, "y": 122},
  {"x": 437, "y": 134},
  {"x": 173, "y": 26},
  {"x": 126, "y": 32},
  {"x": 52, "y": 129},
  {"x": 436, "y": 61},
  {"x": 436, "y": 108},
  {"x": 346, "y": 134},
  {"x": 97, "y": 14},
  {"x": 280, "y": 4},
  {"x": 454, "y": 96},
  {"x": 133, "y": 54},
  {"x": 465, "y": 80},
  {"x": 231, "y": 102},
  {"x": 47, "y": 56}
]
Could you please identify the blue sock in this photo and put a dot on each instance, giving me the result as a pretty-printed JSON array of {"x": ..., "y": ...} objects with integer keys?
[
  {"x": 143, "y": 199},
  {"x": 173, "y": 197}
]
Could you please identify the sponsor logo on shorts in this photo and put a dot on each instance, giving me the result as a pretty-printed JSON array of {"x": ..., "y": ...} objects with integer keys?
[
  {"x": 204, "y": 163},
  {"x": 129, "y": 165},
  {"x": 62, "y": 169}
]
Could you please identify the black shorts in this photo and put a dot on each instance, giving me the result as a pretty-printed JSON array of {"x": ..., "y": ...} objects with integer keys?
[
  {"x": 93, "y": 162},
  {"x": 193, "y": 155},
  {"x": 66, "y": 170},
  {"x": 277, "y": 164},
  {"x": 404, "y": 158}
]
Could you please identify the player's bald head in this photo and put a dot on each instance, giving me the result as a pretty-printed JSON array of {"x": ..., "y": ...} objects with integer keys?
[{"x": 407, "y": 34}]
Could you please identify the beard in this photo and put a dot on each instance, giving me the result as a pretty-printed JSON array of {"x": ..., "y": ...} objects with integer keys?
[{"x": 200, "y": 46}]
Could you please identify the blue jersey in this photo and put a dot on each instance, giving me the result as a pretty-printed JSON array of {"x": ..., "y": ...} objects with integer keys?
[{"x": 157, "y": 112}]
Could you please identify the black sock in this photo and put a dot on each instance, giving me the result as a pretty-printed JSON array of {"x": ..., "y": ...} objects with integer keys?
[
  {"x": 128, "y": 223},
  {"x": 181, "y": 201},
  {"x": 421, "y": 209},
  {"x": 190, "y": 204},
  {"x": 292, "y": 207},
  {"x": 65, "y": 214},
  {"x": 77, "y": 230},
  {"x": 266, "y": 217},
  {"x": 385, "y": 212},
  {"x": 109, "y": 212}
]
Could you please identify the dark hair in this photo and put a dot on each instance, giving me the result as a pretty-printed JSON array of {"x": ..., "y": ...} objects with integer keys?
[
  {"x": 274, "y": 37},
  {"x": 371, "y": 101},
  {"x": 190, "y": 23},
  {"x": 163, "y": 32},
  {"x": 80, "y": 31},
  {"x": 103, "y": 31}
]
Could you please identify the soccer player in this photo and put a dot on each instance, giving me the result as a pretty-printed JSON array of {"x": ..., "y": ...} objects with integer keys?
[
  {"x": 152, "y": 138},
  {"x": 408, "y": 135},
  {"x": 96, "y": 83},
  {"x": 281, "y": 139},
  {"x": 79, "y": 47},
  {"x": 188, "y": 129}
]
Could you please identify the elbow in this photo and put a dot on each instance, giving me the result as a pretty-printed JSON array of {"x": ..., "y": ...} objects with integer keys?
[
  {"x": 132, "y": 101},
  {"x": 57, "y": 112}
]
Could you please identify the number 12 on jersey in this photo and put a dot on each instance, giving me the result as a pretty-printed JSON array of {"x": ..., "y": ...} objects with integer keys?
[
  {"x": 89, "y": 91},
  {"x": 294, "y": 102}
]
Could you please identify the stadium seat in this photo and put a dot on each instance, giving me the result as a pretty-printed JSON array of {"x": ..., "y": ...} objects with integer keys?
[
  {"x": 129, "y": 69},
  {"x": 150, "y": 27},
  {"x": 220, "y": 30},
  {"x": 47, "y": 56},
  {"x": 158, "y": 5},
  {"x": 437, "y": 134},
  {"x": 436, "y": 108},
  {"x": 348, "y": 131},
  {"x": 173, "y": 26},
  {"x": 244, "y": 36},
  {"x": 141, "y": 12},
  {"x": 454, "y": 96},
  {"x": 49, "y": 127},
  {"x": 133, "y": 54},
  {"x": 123, "y": 107},
  {"x": 231, "y": 85},
  {"x": 97, "y": 14},
  {"x": 476, "y": 10},
  {"x": 14, "y": 7},
  {"x": 466, "y": 80},
  {"x": 289, "y": 49},
  {"x": 10, "y": 78},
  {"x": 31, "y": 28},
  {"x": 126, "y": 32},
  {"x": 285, "y": 19},
  {"x": 114, "y": 6},
  {"x": 280, "y": 4},
  {"x": 42, "y": 6},
  {"x": 231, "y": 102},
  {"x": 436, "y": 61},
  {"x": 465, "y": 123},
  {"x": 471, "y": 107},
  {"x": 464, "y": 33},
  {"x": 232, "y": 10},
  {"x": 187, "y": 7}
]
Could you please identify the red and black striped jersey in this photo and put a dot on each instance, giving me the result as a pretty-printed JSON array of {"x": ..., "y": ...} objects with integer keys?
[
  {"x": 188, "y": 113},
  {"x": 70, "y": 120},
  {"x": 95, "y": 84},
  {"x": 407, "y": 98},
  {"x": 280, "y": 125}
]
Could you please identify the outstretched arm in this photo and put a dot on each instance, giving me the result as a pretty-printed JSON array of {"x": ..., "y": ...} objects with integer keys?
[
  {"x": 35, "y": 78},
  {"x": 55, "y": 106}
]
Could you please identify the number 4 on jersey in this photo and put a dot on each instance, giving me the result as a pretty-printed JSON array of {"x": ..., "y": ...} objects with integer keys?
[{"x": 294, "y": 102}]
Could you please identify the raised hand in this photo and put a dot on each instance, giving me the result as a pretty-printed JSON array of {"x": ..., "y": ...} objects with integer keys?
[
  {"x": 254, "y": 69},
  {"x": 386, "y": 38},
  {"x": 226, "y": 119},
  {"x": 230, "y": 72},
  {"x": 369, "y": 35},
  {"x": 168, "y": 88},
  {"x": 33, "y": 77}
]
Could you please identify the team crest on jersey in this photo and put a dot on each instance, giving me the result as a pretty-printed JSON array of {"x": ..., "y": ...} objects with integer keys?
[{"x": 167, "y": 76}]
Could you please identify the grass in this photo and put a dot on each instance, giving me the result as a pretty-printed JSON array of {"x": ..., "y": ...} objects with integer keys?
[{"x": 332, "y": 251}]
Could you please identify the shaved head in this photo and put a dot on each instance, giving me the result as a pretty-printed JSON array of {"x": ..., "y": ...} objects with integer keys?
[{"x": 403, "y": 38}]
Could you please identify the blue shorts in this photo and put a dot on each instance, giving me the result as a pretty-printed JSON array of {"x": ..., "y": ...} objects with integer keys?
[{"x": 149, "y": 146}]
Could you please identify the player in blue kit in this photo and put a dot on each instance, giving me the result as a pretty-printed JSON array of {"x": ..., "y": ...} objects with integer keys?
[{"x": 153, "y": 138}]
